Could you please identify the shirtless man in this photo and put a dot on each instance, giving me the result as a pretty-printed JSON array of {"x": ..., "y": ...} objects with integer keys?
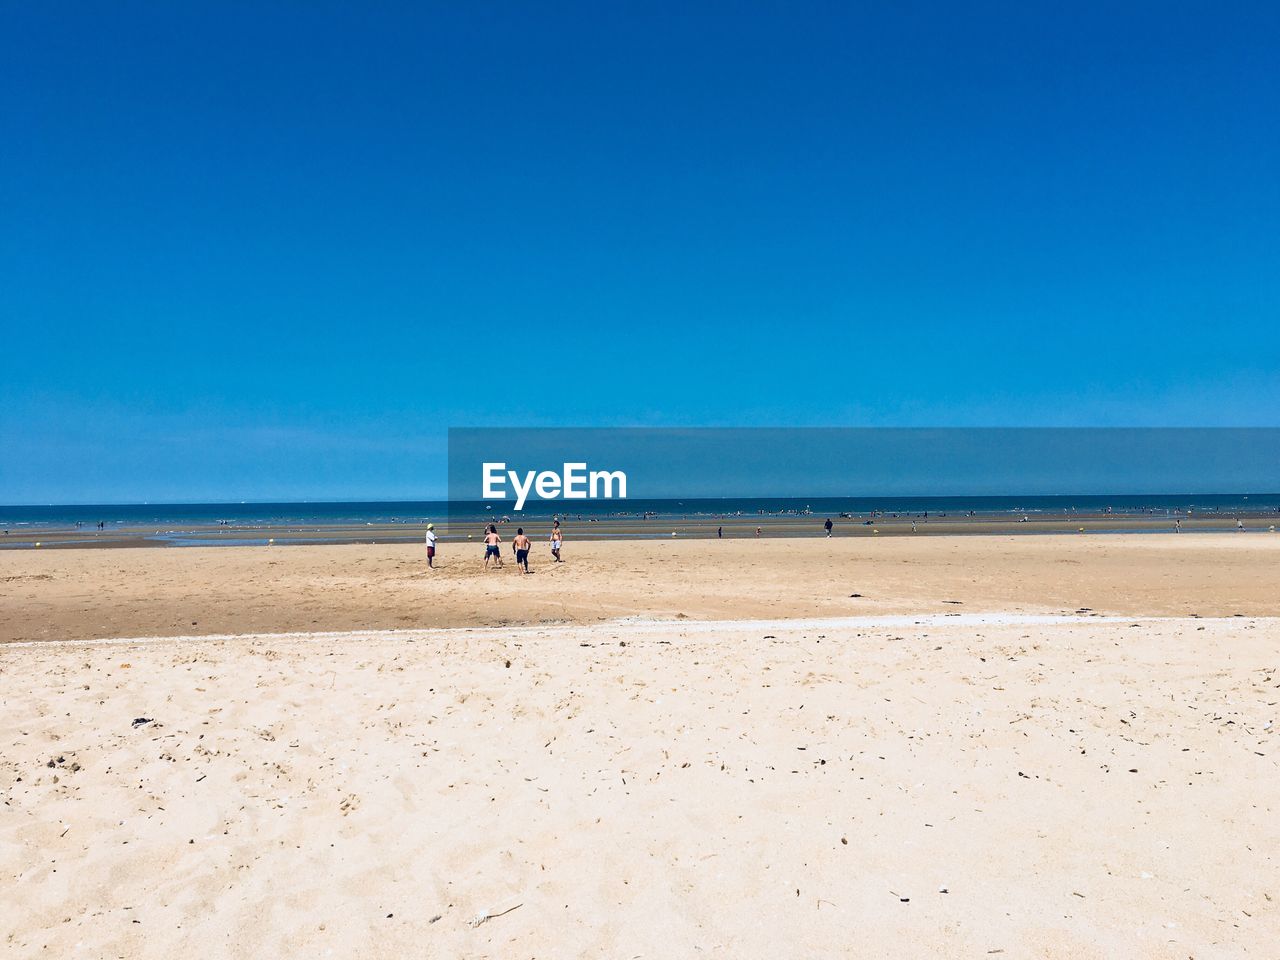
[
  {"x": 521, "y": 544},
  {"x": 491, "y": 549},
  {"x": 557, "y": 539}
]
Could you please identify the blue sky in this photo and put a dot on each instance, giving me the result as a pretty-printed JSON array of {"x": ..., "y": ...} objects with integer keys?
[{"x": 274, "y": 251}]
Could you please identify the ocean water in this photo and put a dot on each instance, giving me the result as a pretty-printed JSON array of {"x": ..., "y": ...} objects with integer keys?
[{"x": 416, "y": 513}]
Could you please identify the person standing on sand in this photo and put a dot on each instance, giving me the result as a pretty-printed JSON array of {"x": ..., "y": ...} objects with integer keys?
[
  {"x": 719, "y": 533},
  {"x": 491, "y": 549},
  {"x": 431, "y": 546},
  {"x": 557, "y": 541},
  {"x": 828, "y": 525},
  {"x": 520, "y": 545}
]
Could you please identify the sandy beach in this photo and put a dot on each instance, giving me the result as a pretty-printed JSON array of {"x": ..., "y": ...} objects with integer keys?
[{"x": 1032, "y": 747}]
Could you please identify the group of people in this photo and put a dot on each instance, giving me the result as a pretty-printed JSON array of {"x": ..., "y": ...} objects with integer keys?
[{"x": 521, "y": 545}]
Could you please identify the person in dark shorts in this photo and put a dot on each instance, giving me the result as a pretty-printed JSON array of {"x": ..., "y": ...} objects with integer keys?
[
  {"x": 828, "y": 525},
  {"x": 521, "y": 544},
  {"x": 491, "y": 549}
]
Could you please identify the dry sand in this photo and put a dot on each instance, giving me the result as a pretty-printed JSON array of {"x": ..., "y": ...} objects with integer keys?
[{"x": 1079, "y": 786}]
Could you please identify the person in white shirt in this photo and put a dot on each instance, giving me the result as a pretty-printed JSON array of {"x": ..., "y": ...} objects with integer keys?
[{"x": 431, "y": 545}]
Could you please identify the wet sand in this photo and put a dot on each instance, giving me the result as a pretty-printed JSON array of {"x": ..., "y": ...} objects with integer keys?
[
  {"x": 628, "y": 528},
  {"x": 77, "y": 594}
]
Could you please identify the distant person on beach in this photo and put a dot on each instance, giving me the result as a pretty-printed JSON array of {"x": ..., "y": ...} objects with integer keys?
[
  {"x": 1240, "y": 525},
  {"x": 557, "y": 541},
  {"x": 491, "y": 548},
  {"x": 719, "y": 533},
  {"x": 431, "y": 545},
  {"x": 828, "y": 525},
  {"x": 1177, "y": 525},
  {"x": 520, "y": 544},
  {"x": 758, "y": 531}
]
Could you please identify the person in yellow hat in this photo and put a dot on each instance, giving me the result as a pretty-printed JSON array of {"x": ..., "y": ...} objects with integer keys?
[{"x": 431, "y": 545}]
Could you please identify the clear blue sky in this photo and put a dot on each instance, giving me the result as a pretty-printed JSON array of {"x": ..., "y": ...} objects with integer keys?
[{"x": 275, "y": 250}]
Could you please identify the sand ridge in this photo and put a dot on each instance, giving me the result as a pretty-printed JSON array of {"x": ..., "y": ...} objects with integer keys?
[{"x": 639, "y": 626}]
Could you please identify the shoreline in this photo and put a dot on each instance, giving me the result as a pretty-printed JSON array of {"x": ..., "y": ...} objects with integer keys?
[{"x": 631, "y": 529}]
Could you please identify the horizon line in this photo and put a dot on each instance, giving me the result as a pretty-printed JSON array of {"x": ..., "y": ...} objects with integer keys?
[{"x": 619, "y": 501}]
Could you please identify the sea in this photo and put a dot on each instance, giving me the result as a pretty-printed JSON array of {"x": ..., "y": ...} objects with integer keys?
[{"x": 416, "y": 512}]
